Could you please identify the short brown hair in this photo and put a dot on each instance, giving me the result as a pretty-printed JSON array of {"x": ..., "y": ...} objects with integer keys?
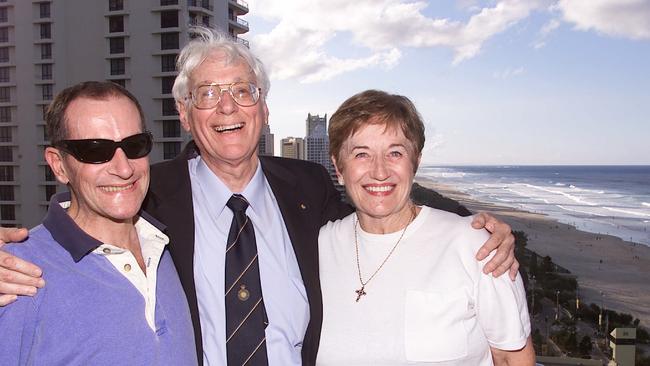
[
  {"x": 55, "y": 118},
  {"x": 376, "y": 107}
]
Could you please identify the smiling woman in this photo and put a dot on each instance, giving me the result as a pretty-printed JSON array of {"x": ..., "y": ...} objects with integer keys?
[{"x": 400, "y": 284}]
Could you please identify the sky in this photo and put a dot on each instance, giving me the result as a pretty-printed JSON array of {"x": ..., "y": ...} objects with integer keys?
[{"x": 505, "y": 82}]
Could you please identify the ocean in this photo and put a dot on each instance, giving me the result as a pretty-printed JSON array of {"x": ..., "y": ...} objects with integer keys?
[{"x": 613, "y": 200}]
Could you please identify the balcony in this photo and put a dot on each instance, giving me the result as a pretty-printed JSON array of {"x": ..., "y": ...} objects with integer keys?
[
  {"x": 238, "y": 25},
  {"x": 204, "y": 4},
  {"x": 242, "y": 41},
  {"x": 240, "y": 7}
]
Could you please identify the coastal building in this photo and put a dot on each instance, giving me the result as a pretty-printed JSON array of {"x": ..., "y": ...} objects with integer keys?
[
  {"x": 622, "y": 341},
  {"x": 48, "y": 45},
  {"x": 265, "y": 146},
  {"x": 293, "y": 147},
  {"x": 317, "y": 142},
  {"x": 317, "y": 147}
]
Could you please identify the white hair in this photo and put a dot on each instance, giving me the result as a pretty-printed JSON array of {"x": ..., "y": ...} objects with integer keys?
[{"x": 207, "y": 42}]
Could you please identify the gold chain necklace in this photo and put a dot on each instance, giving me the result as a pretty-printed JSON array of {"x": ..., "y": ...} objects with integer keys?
[{"x": 360, "y": 292}]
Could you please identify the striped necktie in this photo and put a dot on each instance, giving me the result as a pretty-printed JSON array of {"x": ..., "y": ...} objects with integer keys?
[{"x": 245, "y": 314}]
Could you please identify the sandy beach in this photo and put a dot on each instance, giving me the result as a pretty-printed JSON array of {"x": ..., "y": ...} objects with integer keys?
[{"x": 623, "y": 276}]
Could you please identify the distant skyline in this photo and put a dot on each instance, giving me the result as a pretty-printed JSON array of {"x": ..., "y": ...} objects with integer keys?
[{"x": 507, "y": 82}]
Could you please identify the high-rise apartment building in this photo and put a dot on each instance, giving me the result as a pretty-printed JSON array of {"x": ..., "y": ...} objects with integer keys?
[
  {"x": 47, "y": 45},
  {"x": 266, "y": 147},
  {"x": 293, "y": 147},
  {"x": 316, "y": 141},
  {"x": 317, "y": 147}
]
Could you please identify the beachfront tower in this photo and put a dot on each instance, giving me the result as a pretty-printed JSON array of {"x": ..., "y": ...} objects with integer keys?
[
  {"x": 48, "y": 45},
  {"x": 622, "y": 341}
]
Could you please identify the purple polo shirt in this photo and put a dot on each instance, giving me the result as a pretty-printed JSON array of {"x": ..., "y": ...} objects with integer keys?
[{"x": 88, "y": 313}]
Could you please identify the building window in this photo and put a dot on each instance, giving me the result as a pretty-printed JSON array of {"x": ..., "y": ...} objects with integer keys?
[
  {"x": 5, "y": 134},
  {"x": 168, "y": 63},
  {"x": 114, "y": 5},
  {"x": 171, "y": 150},
  {"x": 47, "y": 91},
  {"x": 5, "y": 94},
  {"x": 4, "y": 74},
  {"x": 169, "y": 107},
  {"x": 44, "y": 10},
  {"x": 116, "y": 44},
  {"x": 168, "y": 2},
  {"x": 4, "y": 34},
  {"x": 46, "y": 51},
  {"x": 4, "y": 54},
  {"x": 49, "y": 174},
  {"x": 6, "y": 173},
  {"x": 120, "y": 82},
  {"x": 5, "y": 114},
  {"x": 8, "y": 212},
  {"x": 116, "y": 24},
  {"x": 46, "y": 72},
  {"x": 50, "y": 191},
  {"x": 169, "y": 41},
  {"x": 3, "y": 15},
  {"x": 167, "y": 83},
  {"x": 169, "y": 19},
  {"x": 6, "y": 153},
  {"x": 6, "y": 193},
  {"x": 171, "y": 129},
  {"x": 46, "y": 30},
  {"x": 44, "y": 109},
  {"x": 118, "y": 66}
]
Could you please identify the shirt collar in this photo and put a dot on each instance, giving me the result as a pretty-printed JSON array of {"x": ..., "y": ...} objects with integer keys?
[
  {"x": 220, "y": 193},
  {"x": 77, "y": 242}
]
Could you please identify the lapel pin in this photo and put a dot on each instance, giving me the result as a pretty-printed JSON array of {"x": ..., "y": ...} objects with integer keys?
[{"x": 302, "y": 206}]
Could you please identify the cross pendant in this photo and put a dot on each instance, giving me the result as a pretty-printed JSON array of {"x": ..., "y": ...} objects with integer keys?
[{"x": 360, "y": 293}]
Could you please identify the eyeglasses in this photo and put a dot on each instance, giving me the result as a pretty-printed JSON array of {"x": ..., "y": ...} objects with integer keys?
[
  {"x": 207, "y": 96},
  {"x": 98, "y": 151}
]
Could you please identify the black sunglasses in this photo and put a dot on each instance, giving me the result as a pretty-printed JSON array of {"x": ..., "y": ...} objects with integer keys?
[{"x": 97, "y": 151}]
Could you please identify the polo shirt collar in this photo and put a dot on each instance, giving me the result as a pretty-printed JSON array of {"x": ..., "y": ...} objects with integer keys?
[{"x": 69, "y": 235}]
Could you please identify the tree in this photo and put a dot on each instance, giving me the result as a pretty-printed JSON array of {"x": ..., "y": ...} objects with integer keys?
[
  {"x": 585, "y": 346},
  {"x": 532, "y": 267},
  {"x": 547, "y": 265}
]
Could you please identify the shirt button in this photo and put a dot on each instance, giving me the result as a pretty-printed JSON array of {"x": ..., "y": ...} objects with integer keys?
[
  {"x": 106, "y": 251},
  {"x": 127, "y": 267}
]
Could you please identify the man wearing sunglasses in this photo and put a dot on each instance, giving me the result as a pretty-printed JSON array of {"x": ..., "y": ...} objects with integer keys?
[
  {"x": 218, "y": 191},
  {"x": 113, "y": 295}
]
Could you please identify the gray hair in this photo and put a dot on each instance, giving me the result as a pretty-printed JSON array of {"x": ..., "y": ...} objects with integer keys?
[{"x": 206, "y": 42}]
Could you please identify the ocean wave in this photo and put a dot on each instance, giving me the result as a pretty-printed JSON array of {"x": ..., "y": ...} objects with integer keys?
[
  {"x": 634, "y": 213},
  {"x": 645, "y": 204},
  {"x": 571, "y": 197},
  {"x": 581, "y": 211}
]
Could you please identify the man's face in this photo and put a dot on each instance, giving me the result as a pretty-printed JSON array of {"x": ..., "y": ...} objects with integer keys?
[
  {"x": 227, "y": 134},
  {"x": 108, "y": 191}
]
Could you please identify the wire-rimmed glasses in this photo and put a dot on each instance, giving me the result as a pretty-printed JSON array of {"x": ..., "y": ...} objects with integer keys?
[{"x": 207, "y": 96}]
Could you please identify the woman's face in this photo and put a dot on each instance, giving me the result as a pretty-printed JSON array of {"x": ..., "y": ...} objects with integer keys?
[{"x": 377, "y": 169}]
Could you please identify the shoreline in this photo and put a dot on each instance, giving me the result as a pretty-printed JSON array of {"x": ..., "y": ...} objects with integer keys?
[{"x": 618, "y": 268}]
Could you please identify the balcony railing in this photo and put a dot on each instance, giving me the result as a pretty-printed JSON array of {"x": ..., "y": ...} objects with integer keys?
[
  {"x": 205, "y": 4},
  {"x": 242, "y": 41},
  {"x": 239, "y": 21},
  {"x": 241, "y": 3}
]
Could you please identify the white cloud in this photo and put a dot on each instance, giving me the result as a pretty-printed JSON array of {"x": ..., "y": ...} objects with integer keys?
[
  {"x": 297, "y": 46},
  {"x": 546, "y": 30},
  {"x": 308, "y": 39},
  {"x": 508, "y": 73},
  {"x": 621, "y": 18}
]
